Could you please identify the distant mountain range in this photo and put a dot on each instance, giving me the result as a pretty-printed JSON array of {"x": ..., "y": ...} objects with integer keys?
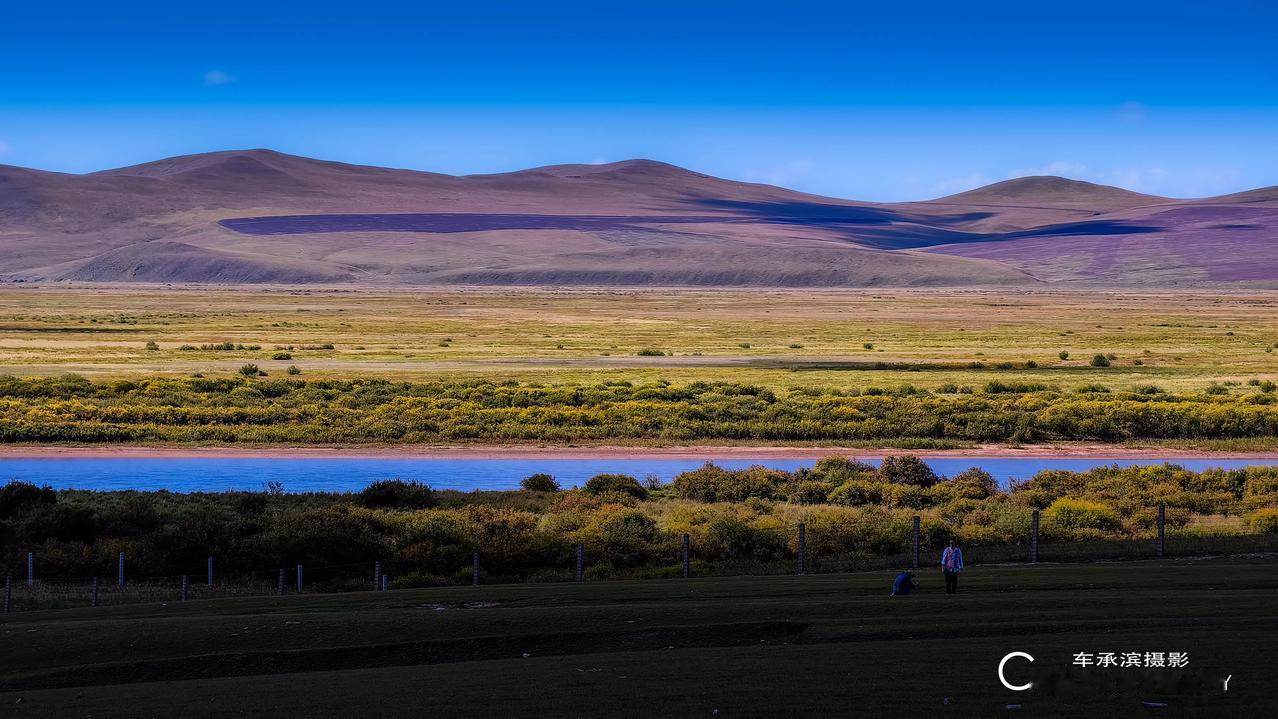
[{"x": 258, "y": 216}]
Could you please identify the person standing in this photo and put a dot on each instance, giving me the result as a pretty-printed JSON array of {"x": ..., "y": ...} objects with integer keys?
[{"x": 951, "y": 565}]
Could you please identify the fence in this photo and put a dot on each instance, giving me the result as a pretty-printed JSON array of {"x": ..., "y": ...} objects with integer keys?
[{"x": 40, "y": 588}]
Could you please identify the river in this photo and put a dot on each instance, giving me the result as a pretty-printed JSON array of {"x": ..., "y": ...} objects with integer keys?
[{"x": 333, "y": 474}]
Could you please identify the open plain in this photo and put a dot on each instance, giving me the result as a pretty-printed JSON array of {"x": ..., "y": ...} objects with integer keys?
[{"x": 1181, "y": 341}]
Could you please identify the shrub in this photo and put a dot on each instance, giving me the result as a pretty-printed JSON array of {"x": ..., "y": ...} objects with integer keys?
[
  {"x": 856, "y": 492},
  {"x": 1031, "y": 364},
  {"x": 839, "y": 469},
  {"x": 734, "y": 538},
  {"x": 621, "y": 483},
  {"x": 868, "y": 345},
  {"x": 1073, "y": 513},
  {"x": 282, "y": 356},
  {"x": 250, "y": 370},
  {"x": 810, "y": 492},
  {"x": 293, "y": 370},
  {"x": 701, "y": 484},
  {"x": 1264, "y": 520},
  {"x": 1063, "y": 355},
  {"x": 16, "y": 496},
  {"x": 650, "y": 353},
  {"x": 997, "y": 387},
  {"x": 907, "y": 469},
  {"x": 710, "y": 483},
  {"x": 909, "y": 496},
  {"x": 1099, "y": 361},
  {"x": 397, "y": 494},
  {"x": 757, "y": 482},
  {"x": 540, "y": 482},
  {"x": 620, "y": 536},
  {"x": 974, "y": 483},
  {"x": 152, "y": 346},
  {"x": 1215, "y": 388}
]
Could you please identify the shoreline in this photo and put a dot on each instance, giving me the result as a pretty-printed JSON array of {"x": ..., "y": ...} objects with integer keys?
[{"x": 483, "y": 452}]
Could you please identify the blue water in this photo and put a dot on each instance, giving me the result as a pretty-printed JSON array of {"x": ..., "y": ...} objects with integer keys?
[{"x": 327, "y": 474}]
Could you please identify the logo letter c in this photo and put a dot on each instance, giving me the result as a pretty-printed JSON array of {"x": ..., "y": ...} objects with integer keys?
[{"x": 1003, "y": 679}]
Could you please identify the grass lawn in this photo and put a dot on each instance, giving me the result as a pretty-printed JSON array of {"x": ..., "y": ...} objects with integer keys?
[{"x": 741, "y": 646}]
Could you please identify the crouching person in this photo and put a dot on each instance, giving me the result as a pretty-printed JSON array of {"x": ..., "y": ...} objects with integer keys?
[{"x": 903, "y": 584}]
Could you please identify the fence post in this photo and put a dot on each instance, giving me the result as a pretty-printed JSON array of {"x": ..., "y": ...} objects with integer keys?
[
  {"x": 802, "y": 567},
  {"x": 581, "y": 562},
  {"x": 916, "y": 541},
  {"x": 1162, "y": 525},
  {"x": 377, "y": 575},
  {"x": 95, "y": 592},
  {"x": 186, "y": 584},
  {"x": 474, "y": 570},
  {"x": 1034, "y": 538},
  {"x": 8, "y": 594},
  {"x": 30, "y": 569},
  {"x": 280, "y": 588},
  {"x": 299, "y": 579},
  {"x": 210, "y": 572},
  {"x": 119, "y": 579},
  {"x": 687, "y": 567}
]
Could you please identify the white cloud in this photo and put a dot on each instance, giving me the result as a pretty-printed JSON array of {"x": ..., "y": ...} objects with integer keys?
[{"x": 213, "y": 78}]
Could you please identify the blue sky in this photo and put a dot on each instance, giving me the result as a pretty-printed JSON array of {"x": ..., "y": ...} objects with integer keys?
[{"x": 886, "y": 102}]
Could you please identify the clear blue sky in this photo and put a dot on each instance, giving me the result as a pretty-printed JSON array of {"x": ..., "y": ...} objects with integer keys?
[{"x": 903, "y": 100}]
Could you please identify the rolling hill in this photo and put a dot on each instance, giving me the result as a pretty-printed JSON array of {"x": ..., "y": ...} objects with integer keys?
[{"x": 259, "y": 216}]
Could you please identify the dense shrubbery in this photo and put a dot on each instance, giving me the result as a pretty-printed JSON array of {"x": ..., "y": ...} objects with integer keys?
[
  {"x": 621, "y": 484},
  {"x": 1264, "y": 521},
  {"x": 294, "y": 410},
  {"x": 397, "y": 494},
  {"x": 851, "y": 509},
  {"x": 540, "y": 483}
]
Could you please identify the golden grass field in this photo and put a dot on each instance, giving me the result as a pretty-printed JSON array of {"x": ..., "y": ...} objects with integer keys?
[{"x": 779, "y": 338}]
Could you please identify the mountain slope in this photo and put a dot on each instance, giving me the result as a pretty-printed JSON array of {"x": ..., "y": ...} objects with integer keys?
[
  {"x": 263, "y": 216},
  {"x": 1051, "y": 191}
]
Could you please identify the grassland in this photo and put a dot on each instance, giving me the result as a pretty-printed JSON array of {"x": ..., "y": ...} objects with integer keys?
[
  {"x": 744, "y": 646},
  {"x": 1182, "y": 340},
  {"x": 847, "y": 341}
]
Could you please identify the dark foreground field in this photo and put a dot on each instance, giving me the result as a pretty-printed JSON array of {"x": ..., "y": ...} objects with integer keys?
[{"x": 830, "y": 645}]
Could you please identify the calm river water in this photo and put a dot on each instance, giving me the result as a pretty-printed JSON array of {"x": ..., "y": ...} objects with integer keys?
[{"x": 310, "y": 474}]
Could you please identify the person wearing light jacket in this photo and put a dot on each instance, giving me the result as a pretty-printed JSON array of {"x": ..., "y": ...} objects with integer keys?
[{"x": 951, "y": 565}]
